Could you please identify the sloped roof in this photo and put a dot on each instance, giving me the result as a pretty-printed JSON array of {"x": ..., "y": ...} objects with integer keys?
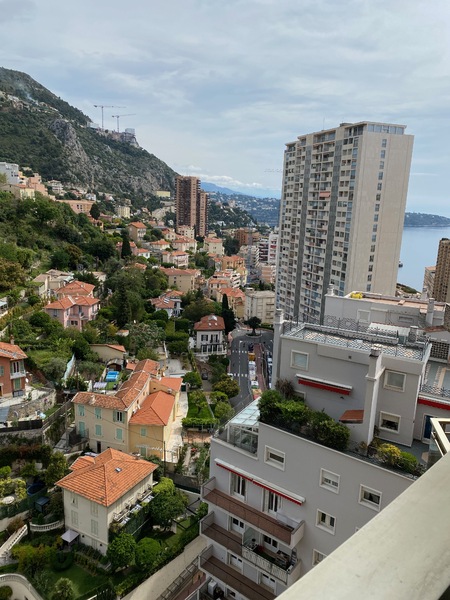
[
  {"x": 107, "y": 477},
  {"x": 210, "y": 323},
  {"x": 138, "y": 225},
  {"x": 76, "y": 288},
  {"x": 11, "y": 351},
  {"x": 172, "y": 383},
  {"x": 155, "y": 410}
]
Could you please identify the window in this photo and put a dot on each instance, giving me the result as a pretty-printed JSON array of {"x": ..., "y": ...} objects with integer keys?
[
  {"x": 274, "y": 457},
  {"x": 74, "y": 500},
  {"x": 268, "y": 541},
  {"x": 237, "y": 525},
  {"x": 329, "y": 480},
  {"x": 98, "y": 413},
  {"x": 379, "y": 186},
  {"x": 119, "y": 434},
  {"x": 2, "y": 371},
  {"x": 272, "y": 502},
  {"x": 394, "y": 381},
  {"x": 299, "y": 360},
  {"x": 383, "y": 154},
  {"x": 317, "y": 557},
  {"x": 74, "y": 517},
  {"x": 268, "y": 581},
  {"x": 80, "y": 410},
  {"x": 237, "y": 485},
  {"x": 369, "y": 497},
  {"x": 94, "y": 527},
  {"x": 384, "y": 143},
  {"x": 94, "y": 509},
  {"x": 326, "y": 521},
  {"x": 235, "y": 561},
  {"x": 82, "y": 428},
  {"x": 98, "y": 430},
  {"x": 118, "y": 416},
  {"x": 389, "y": 422},
  {"x": 143, "y": 431}
]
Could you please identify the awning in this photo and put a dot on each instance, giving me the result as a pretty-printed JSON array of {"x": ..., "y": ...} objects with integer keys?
[
  {"x": 322, "y": 384},
  {"x": 259, "y": 482},
  {"x": 69, "y": 536},
  {"x": 443, "y": 404},
  {"x": 352, "y": 416}
]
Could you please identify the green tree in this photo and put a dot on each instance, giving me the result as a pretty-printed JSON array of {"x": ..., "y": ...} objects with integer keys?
[
  {"x": 5, "y": 590},
  {"x": 254, "y": 323},
  {"x": 147, "y": 551},
  {"x": 145, "y": 335},
  {"x": 198, "y": 309},
  {"x": 121, "y": 551},
  {"x": 60, "y": 259},
  {"x": 228, "y": 315},
  {"x": 55, "y": 368},
  {"x": 198, "y": 399},
  {"x": 95, "y": 211},
  {"x": 227, "y": 385},
  {"x": 165, "y": 506},
  {"x": 63, "y": 590},
  {"x": 56, "y": 469},
  {"x": 11, "y": 275},
  {"x": 193, "y": 379},
  {"x": 223, "y": 411},
  {"x": 126, "y": 248}
]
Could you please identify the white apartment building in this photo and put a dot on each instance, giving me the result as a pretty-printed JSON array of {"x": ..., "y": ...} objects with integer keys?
[
  {"x": 281, "y": 502},
  {"x": 272, "y": 255},
  {"x": 259, "y": 304},
  {"x": 11, "y": 170},
  {"x": 341, "y": 214}
]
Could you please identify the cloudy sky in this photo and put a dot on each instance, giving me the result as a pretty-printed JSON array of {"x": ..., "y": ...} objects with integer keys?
[{"x": 217, "y": 88}]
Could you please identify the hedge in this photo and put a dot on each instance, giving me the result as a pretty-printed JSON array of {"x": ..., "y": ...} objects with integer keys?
[{"x": 200, "y": 423}]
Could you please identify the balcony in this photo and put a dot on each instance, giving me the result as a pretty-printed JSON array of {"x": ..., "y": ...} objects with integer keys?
[
  {"x": 289, "y": 532},
  {"x": 277, "y": 565},
  {"x": 18, "y": 374},
  {"x": 227, "y": 539},
  {"x": 232, "y": 577}
]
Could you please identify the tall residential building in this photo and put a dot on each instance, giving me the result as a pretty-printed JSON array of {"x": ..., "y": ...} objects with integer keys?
[
  {"x": 191, "y": 205},
  {"x": 441, "y": 291},
  {"x": 341, "y": 215}
]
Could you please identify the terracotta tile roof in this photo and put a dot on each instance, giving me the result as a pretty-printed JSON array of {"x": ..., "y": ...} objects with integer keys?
[
  {"x": 178, "y": 272},
  {"x": 62, "y": 304},
  {"x": 116, "y": 347},
  {"x": 155, "y": 410},
  {"x": 76, "y": 288},
  {"x": 352, "y": 416},
  {"x": 107, "y": 477},
  {"x": 85, "y": 301},
  {"x": 138, "y": 225},
  {"x": 161, "y": 303},
  {"x": 232, "y": 292},
  {"x": 171, "y": 383},
  {"x": 210, "y": 323},
  {"x": 99, "y": 400},
  {"x": 11, "y": 351},
  {"x": 139, "y": 266}
]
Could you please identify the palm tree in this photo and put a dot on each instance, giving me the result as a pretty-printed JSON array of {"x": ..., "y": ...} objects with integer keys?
[{"x": 63, "y": 590}]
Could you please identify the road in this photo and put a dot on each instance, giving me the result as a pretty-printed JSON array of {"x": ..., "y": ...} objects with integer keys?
[{"x": 238, "y": 368}]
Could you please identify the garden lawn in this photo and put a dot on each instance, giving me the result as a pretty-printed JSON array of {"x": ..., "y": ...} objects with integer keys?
[{"x": 82, "y": 580}]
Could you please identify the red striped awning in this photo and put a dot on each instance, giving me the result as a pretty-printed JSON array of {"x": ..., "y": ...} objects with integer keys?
[
  {"x": 434, "y": 403},
  {"x": 325, "y": 385}
]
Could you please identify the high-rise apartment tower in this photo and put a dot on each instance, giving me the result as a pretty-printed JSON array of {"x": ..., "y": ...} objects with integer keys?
[
  {"x": 191, "y": 204},
  {"x": 341, "y": 215},
  {"x": 441, "y": 287}
]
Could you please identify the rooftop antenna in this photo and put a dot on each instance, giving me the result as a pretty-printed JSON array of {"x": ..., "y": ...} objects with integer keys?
[{"x": 102, "y": 106}]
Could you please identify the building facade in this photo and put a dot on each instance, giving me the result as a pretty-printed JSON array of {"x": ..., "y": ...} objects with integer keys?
[
  {"x": 191, "y": 205},
  {"x": 441, "y": 288},
  {"x": 341, "y": 214},
  {"x": 259, "y": 304}
]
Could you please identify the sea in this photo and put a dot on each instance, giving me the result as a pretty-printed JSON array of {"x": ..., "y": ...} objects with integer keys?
[{"x": 419, "y": 250}]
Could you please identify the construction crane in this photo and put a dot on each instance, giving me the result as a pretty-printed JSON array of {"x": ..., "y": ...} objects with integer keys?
[
  {"x": 102, "y": 106},
  {"x": 118, "y": 117}
]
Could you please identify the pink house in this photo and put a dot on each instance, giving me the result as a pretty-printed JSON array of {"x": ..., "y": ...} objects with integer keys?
[{"x": 73, "y": 311}]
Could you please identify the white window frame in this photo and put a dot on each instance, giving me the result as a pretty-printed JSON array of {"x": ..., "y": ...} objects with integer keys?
[
  {"x": 383, "y": 415},
  {"x": 364, "y": 497},
  {"x": 363, "y": 316},
  {"x": 303, "y": 365},
  {"x": 235, "y": 561},
  {"x": 390, "y": 386},
  {"x": 274, "y": 457},
  {"x": 325, "y": 521},
  {"x": 269, "y": 541},
  {"x": 317, "y": 557},
  {"x": 237, "y": 525},
  {"x": 238, "y": 485},
  {"x": 272, "y": 582},
  {"x": 272, "y": 502},
  {"x": 329, "y": 480},
  {"x": 81, "y": 410},
  {"x": 118, "y": 416}
]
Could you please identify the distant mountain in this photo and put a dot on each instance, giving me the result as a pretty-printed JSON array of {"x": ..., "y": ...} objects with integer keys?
[
  {"x": 212, "y": 187},
  {"x": 43, "y": 132},
  {"x": 425, "y": 220},
  {"x": 250, "y": 193}
]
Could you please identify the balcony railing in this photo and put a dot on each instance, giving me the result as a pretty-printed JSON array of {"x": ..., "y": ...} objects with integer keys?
[
  {"x": 18, "y": 374},
  {"x": 278, "y": 565},
  {"x": 290, "y": 534}
]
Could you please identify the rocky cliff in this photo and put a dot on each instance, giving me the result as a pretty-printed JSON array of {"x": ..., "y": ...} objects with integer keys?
[{"x": 43, "y": 132}]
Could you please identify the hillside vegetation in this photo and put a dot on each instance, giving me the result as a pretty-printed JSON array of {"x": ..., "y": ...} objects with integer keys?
[{"x": 43, "y": 132}]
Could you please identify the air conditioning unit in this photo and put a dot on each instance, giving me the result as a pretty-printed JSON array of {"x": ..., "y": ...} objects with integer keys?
[{"x": 212, "y": 587}]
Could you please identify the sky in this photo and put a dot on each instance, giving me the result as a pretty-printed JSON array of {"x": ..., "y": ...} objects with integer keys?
[{"x": 216, "y": 89}]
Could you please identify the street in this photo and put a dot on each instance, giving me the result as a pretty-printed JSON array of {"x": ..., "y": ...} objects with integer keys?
[{"x": 238, "y": 368}]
